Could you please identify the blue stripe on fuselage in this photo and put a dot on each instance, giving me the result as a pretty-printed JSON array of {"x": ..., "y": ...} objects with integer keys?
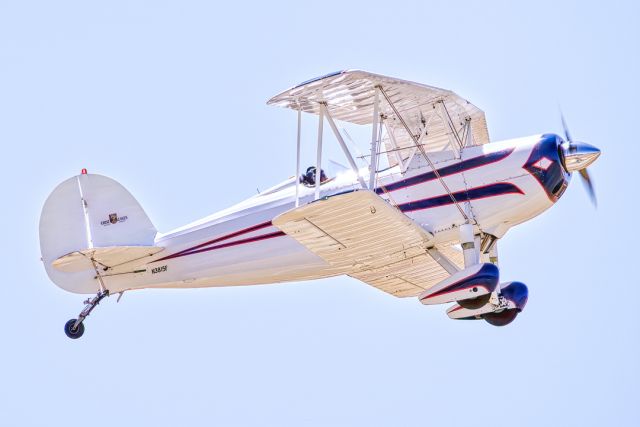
[
  {"x": 459, "y": 167},
  {"x": 498, "y": 189}
]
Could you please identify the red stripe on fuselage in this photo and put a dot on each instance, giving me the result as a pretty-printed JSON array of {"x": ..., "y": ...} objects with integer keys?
[
  {"x": 229, "y": 244},
  {"x": 217, "y": 240}
]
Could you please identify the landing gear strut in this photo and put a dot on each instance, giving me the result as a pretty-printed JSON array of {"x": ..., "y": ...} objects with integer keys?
[{"x": 74, "y": 328}]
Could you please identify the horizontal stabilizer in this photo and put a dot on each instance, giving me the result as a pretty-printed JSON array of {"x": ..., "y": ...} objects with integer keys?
[{"x": 104, "y": 258}]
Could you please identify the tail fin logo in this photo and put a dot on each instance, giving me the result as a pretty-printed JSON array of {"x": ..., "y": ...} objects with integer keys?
[{"x": 114, "y": 219}]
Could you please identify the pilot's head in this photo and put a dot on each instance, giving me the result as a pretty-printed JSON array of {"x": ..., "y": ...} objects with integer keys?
[{"x": 310, "y": 175}]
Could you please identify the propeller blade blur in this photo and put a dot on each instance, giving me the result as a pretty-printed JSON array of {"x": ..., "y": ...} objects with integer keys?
[
  {"x": 588, "y": 184},
  {"x": 567, "y": 135}
]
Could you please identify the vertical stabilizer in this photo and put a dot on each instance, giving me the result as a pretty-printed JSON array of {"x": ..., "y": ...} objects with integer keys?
[{"x": 89, "y": 212}]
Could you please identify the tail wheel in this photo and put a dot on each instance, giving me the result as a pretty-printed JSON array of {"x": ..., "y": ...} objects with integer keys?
[
  {"x": 501, "y": 319},
  {"x": 73, "y": 332}
]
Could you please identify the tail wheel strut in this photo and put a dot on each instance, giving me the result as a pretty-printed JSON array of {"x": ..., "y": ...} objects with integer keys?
[{"x": 74, "y": 328}]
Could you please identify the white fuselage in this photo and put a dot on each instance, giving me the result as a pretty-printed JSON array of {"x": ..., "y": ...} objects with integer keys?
[{"x": 499, "y": 185}]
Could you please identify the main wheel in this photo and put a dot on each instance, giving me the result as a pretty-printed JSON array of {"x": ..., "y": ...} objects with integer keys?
[
  {"x": 472, "y": 304},
  {"x": 501, "y": 319},
  {"x": 73, "y": 333}
]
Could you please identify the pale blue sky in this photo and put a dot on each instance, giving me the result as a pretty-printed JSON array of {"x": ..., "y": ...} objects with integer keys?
[{"x": 169, "y": 99}]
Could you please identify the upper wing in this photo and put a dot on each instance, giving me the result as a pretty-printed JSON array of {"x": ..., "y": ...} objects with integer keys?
[
  {"x": 350, "y": 95},
  {"x": 361, "y": 234}
]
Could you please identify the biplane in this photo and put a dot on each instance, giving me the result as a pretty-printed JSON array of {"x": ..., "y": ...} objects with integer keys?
[{"x": 422, "y": 219}]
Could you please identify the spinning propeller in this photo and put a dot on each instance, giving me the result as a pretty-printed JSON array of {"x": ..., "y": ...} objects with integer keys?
[{"x": 576, "y": 156}]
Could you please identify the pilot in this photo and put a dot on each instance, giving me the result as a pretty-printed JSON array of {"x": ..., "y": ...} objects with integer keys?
[{"x": 309, "y": 177}]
